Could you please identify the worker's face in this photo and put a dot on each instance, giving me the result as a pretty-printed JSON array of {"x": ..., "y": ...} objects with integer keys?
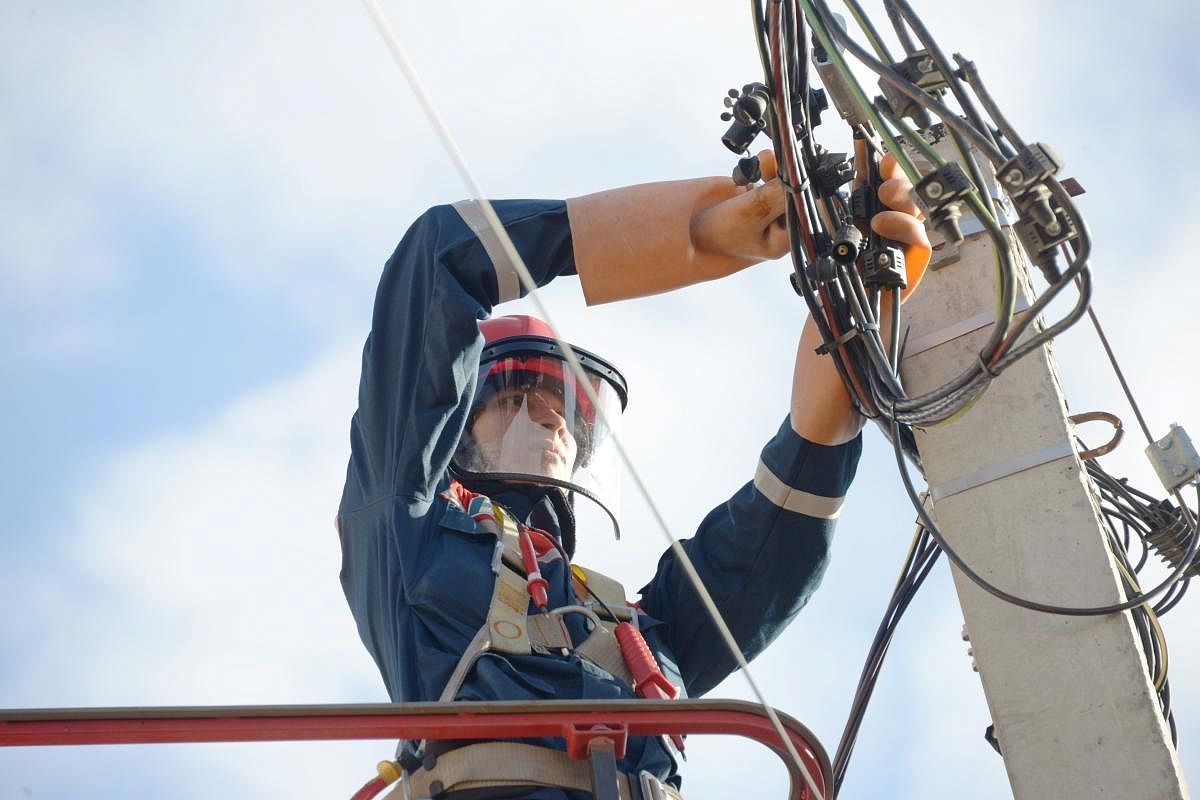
[{"x": 524, "y": 430}]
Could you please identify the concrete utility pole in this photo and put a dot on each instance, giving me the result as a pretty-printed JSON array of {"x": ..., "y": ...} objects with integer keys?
[{"x": 1075, "y": 712}]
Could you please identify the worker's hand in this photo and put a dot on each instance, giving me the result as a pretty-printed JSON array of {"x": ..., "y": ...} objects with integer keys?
[
  {"x": 746, "y": 223},
  {"x": 903, "y": 223}
]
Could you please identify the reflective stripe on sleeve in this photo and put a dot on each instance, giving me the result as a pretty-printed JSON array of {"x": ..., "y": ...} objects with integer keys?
[
  {"x": 789, "y": 499},
  {"x": 508, "y": 285}
]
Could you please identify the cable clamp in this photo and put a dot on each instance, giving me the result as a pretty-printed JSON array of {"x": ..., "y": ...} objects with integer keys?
[
  {"x": 1004, "y": 469},
  {"x": 931, "y": 340},
  {"x": 1174, "y": 458}
]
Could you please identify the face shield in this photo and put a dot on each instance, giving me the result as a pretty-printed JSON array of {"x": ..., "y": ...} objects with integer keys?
[{"x": 532, "y": 421}]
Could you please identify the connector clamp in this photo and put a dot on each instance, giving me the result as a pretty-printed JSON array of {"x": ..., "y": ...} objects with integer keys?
[
  {"x": 1174, "y": 458},
  {"x": 939, "y": 194},
  {"x": 1034, "y": 164}
]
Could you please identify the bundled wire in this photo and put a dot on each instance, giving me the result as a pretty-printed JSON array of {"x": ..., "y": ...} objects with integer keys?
[
  {"x": 1139, "y": 524},
  {"x": 837, "y": 267},
  {"x": 853, "y": 293},
  {"x": 922, "y": 555},
  {"x": 837, "y": 260}
]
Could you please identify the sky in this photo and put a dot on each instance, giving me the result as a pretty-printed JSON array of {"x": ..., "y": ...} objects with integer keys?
[{"x": 195, "y": 204}]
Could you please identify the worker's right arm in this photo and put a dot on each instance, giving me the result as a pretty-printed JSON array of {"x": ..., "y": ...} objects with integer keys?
[
  {"x": 655, "y": 237},
  {"x": 419, "y": 362}
]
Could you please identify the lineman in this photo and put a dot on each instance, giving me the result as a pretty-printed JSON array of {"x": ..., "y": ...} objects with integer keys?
[{"x": 471, "y": 432}]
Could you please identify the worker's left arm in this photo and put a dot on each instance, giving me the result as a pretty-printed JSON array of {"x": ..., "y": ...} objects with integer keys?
[{"x": 762, "y": 554}]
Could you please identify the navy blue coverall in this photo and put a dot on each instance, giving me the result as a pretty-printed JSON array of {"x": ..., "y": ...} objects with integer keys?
[{"x": 416, "y": 571}]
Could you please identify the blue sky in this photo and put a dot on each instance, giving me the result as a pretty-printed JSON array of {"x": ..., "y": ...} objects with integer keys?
[{"x": 195, "y": 203}]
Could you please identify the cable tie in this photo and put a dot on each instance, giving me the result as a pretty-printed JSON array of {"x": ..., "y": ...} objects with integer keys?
[
  {"x": 828, "y": 347},
  {"x": 984, "y": 366},
  {"x": 787, "y": 187}
]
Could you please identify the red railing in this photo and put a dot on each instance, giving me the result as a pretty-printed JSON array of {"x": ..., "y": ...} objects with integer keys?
[{"x": 575, "y": 721}]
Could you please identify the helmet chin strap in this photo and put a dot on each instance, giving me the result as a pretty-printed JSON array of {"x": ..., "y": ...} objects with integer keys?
[{"x": 479, "y": 480}]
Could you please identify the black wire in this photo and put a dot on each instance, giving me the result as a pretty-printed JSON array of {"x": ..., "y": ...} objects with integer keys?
[
  {"x": 969, "y": 377},
  {"x": 906, "y": 87},
  {"x": 972, "y": 380},
  {"x": 941, "y": 402},
  {"x": 792, "y": 171},
  {"x": 973, "y": 79},
  {"x": 920, "y": 562},
  {"x": 1174, "y": 596},
  {"x": 894, "y": 329},
  {"x": 902, "y": 32},
  {"x": 1079, "y": 268},
  {"x": 1143, "y": 515},
  {"x": 868, "y": 323},
  {"x": 944, "y": 66},
  {"x": 1169, "y": 714},
  {"x": 760, "y": 36},
  {"x": 868, "y": 26},
  {"x": 1002, "y": 348},
  {"x": 798, "y": 66}
]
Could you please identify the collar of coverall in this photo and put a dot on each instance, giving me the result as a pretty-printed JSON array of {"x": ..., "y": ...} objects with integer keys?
[{"x": 545, "y": 508}]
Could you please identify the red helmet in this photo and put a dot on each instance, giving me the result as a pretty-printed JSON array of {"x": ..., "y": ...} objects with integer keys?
[
  {"x": 498, "y": 328},
  {"x": 533, "y": 339}
]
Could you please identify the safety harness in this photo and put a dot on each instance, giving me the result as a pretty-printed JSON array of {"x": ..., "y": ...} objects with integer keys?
[{"x": 614, "y": 644}]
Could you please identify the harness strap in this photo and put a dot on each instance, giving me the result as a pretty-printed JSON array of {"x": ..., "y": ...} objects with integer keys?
[
  {"x": 510, "y": 629},
  {"x": 500, "y": 764},
  {"x": 507, "y": 613}
]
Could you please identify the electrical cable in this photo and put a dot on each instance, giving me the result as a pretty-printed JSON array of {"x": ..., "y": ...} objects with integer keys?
[
  {"x": 971, "y": 75},
  {"x": 864, "y": 22},
  {"x": 901, "y": 30},
  {"x": 942, "y": 402},
  {"x": 944, "y": 66},
  {"x": 922, "y": 555},
  {"x": 911, "y": 92},
  {"x": 848, "y": 314}
]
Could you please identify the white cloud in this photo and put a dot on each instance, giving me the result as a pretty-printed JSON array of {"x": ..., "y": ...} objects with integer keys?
[{"x": 203, "y": 571}]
